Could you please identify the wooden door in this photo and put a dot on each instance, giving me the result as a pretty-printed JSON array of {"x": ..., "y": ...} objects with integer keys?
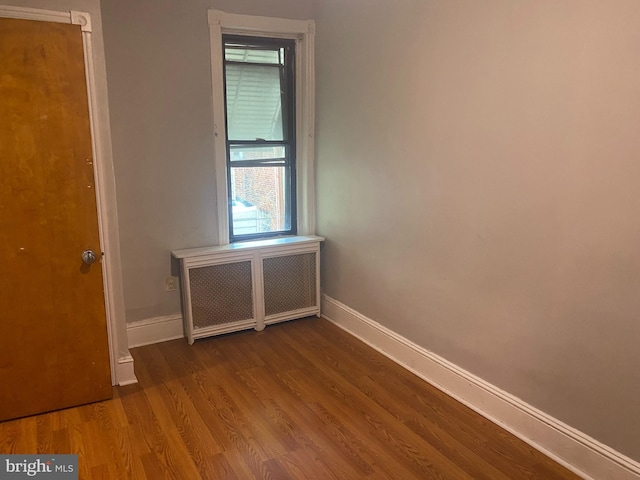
[{"x": 53, "y": 337}]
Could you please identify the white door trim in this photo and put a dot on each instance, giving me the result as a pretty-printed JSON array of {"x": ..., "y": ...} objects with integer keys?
[{"x": 121, "y": 361}]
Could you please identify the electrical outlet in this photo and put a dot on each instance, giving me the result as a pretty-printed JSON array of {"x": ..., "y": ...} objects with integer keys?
[{"x": 170, "y": 284}]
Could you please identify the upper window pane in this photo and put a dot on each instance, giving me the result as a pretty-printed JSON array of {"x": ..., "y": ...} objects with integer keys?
[{"x": 254, "y": 103}]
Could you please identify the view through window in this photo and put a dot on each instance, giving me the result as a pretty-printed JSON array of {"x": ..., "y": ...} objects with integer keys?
[{"x": 260, "y": 125}]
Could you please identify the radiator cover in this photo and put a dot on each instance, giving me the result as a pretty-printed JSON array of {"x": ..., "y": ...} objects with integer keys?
[{"x": 248, "y": 285}]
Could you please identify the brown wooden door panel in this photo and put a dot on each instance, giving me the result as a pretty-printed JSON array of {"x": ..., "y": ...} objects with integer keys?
[{"x": 53, "y": 338}]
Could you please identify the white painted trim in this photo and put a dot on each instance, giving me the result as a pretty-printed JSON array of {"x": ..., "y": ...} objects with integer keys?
[
  {"x": 256, "y": 25},
  {"x": 83, "y": 19},
  {"x": 97, "y": 158},
  {"x": 303, "y": 32},
  {"x": 568, "y": 446},
  {"x": 24, "y": 13},
  {"x": 305, "y": 115},
  {"x": 125, "y": 373},
  {"x": 103, "y": 172},
  {"x": 154, "y": 330},
  {"x": 219, "y": 131}
]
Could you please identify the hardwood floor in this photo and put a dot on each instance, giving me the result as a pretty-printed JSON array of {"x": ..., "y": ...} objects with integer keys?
[{"x": 299, "y": 400}]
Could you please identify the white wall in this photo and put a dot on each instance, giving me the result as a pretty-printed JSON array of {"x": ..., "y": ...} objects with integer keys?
[
  {"x": 158, "y": 62},
  {"x": 478, "y": 171}
]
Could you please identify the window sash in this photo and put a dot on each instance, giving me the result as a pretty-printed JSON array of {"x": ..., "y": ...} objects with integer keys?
[{"x": 287, "y": 107}]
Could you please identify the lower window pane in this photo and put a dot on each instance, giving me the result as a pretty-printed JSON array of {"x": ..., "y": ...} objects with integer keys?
[{"x": 260, "y": 200}]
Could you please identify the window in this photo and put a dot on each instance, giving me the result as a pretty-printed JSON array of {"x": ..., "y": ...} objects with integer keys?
[
  {"x": 259, "y": 80},
  {"x": 262, "y": 74}
]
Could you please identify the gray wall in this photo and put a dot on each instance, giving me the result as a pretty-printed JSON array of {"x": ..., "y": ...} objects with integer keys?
[
  {"x": 478, "y": 172},
  {"x": 477, "y": 179},
  {"x": 159, "y": 76}
]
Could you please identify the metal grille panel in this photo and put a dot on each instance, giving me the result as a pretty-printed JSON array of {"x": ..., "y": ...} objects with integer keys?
[
  {"x": 221, "y": 294},
  {"x": 289, "y": 283}
]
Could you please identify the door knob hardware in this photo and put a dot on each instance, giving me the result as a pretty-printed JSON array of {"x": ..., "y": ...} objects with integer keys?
[{"x": 89, "y": 257}]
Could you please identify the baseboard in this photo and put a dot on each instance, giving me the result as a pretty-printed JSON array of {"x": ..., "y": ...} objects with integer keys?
[
  {"x": 580, "y": 453},
  {"x": 124, "y": 371},
  {"x": 154, "y": 330}
]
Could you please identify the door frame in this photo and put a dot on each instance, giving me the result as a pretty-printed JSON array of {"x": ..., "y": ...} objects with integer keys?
[{"x": 122, "y": 372}]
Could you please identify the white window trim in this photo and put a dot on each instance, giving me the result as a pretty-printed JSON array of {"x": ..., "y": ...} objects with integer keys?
[{"x": 303, "y": 32}]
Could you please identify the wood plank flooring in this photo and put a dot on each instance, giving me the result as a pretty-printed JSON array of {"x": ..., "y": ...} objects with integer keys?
[{"x": 299, "y": 400}]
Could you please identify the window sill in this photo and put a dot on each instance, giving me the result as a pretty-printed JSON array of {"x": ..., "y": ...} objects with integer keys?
[{"x": 248, "y": 245}]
